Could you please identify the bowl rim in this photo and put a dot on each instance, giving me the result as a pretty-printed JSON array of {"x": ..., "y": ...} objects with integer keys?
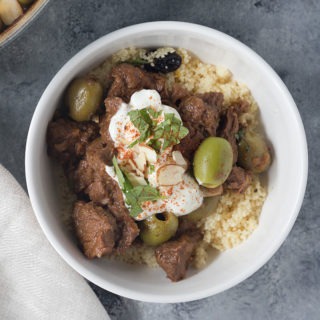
[{"x": 153, "y": 296}]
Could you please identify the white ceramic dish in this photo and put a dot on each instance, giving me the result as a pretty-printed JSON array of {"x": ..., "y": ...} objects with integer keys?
[
  {"x": 22, "y": 23},
  {"x": 286, "y": 178}
]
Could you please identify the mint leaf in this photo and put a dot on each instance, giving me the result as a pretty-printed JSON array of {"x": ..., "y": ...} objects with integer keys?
[
  {"x": 145, "y": 115},
  {"x": 169, "y": 116},
  {"x": 138, "y": 195},
  {"x": 134, "y": 196},
  {"x": 158, "y": 133},
  {"x": 165, "y": 134},
  {"x": 183, "y": 132},
  {"x": 134, "y": 206},
  {"x": 151, "y": 168},
  {"x": 155, "y": 144},
  {"x": 146, "y": 193},
  {"x": 153, "y": 113},
  {"x": 119, "y": 173}
]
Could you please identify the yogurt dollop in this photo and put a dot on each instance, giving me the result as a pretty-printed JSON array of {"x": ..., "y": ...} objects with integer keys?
[{"x": 146, "y": 167}]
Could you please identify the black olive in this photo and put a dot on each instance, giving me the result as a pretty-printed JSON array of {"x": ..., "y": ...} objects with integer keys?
[{"x": 169, "y": 63}]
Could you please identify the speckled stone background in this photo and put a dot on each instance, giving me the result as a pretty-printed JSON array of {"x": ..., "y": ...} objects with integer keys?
[{"x": 286, "y": 33}]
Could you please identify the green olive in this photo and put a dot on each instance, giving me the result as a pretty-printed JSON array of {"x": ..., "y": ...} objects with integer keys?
[
  {"x": 254, "y": 154},
  {"x": 25, "y": 2},
  {"x": 208, "y": 207},
  {"x": 83, "y": 97},
  {"x": 212, "y": 162},
  {"x": 158, "y": 228}
]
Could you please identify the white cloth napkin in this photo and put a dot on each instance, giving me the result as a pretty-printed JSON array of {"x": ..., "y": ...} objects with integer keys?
[{"x": 35, "y": 283}]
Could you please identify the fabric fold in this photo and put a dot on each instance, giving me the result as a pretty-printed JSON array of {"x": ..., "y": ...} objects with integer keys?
[{"x": 35, "y": 283}]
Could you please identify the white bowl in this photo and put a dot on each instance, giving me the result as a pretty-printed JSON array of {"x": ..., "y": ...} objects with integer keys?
[
  {"x": 286, "y": 177},
  {"x": 22, "y": 22}
]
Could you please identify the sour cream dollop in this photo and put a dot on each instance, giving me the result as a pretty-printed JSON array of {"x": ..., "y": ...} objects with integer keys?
[{"x": 179, "y": 190}]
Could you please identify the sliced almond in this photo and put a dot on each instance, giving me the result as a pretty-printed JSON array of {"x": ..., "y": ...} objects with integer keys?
[
  {"x": 179, "y": 159},
  {"x": 134, "y": 167},
  {"x": 170, "y": 175},
  {"x": 150, "y": 153},
  {"x": 140, "y": 160},
  {"x": 136, "y": 180},
  {"x": 211, "y": 192}
]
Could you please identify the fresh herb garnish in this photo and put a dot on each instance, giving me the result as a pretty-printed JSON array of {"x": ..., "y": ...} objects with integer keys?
[
  {"x": 163, "y": 135},
  {"x": 134, "y": 196},
  {"x": 137, "y": 62},
  {"x": 151, "y": 168},
  {"x": 142, "y": 121},
  {"x": 124, "y": 182}
]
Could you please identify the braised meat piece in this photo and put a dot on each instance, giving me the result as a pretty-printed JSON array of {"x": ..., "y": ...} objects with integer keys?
[
  {"x": 67, "y": 139},
  {"x": 186, "y": 226},
  {"x": 229, "y": 125},
  {"x": 174, "y": 256},
  {"x": 112, "y": 106},
  {"x": 178, "y": 92},
  {"x": 91, "y": 178},
  {"x": 128, "y": 79},
  {"x": 214, "y": 99},
  {"x": 189, "y": 144},
  {"x": 129, "y": 231},
  {"x": 200, "y": 114},
  {"x": 96, "y": 229},
  {"x": 239, "y": 180}
]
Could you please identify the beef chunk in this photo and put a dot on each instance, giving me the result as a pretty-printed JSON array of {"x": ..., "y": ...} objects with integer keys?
[
  {"x": 186, "y": 226},
  {"x": 99, "y": 153},
  {"x": 178, "y": 92},
  {"x": 128, "y": 79},
  {"x": 129, "y": 231},
  {"x": 229, "y": 125},
  {"x": 90, "y": 176},
  {"x": 190, "y": 143},
  {"x": 238, "y": 180},
  {"x": 213, "y": 99},
  {"x": 112, "y": 106},
  {"x": 200, "y": 114},
  {"x": 67, "y": 139},
  {"x": 96, "y": 229},
  {"x": 174, "y": 256}
]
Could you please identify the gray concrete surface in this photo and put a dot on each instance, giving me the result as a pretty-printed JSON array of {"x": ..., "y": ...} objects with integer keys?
[{"x": 285, "y": 33}]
